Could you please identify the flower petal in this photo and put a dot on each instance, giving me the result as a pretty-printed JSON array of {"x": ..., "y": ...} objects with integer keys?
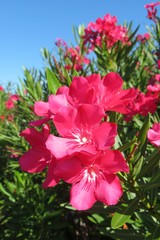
[
  {"x": 33, "y": 161},
  {"x": 41, "y": 108},
  {"x": 104, "y": 135},
  {"x": 112, "y": 162},
  {"x": 82, "y": 195},
  {"x": 109, "y": 190},
  {"x": 51, "y": 179}
]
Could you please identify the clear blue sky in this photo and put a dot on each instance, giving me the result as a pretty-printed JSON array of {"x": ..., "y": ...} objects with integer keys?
[{"x": 26, "y": 26}]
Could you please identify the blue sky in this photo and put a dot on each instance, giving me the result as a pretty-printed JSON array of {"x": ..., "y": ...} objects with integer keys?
[{"x": 28, "y": 26}]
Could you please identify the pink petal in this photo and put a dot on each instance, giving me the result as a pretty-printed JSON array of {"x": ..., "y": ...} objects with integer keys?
[
  {"x": 89, "y": 115},
  {"x": 33, "y": 161},
  {"x": 82, "y": 195},
  {"x": 56, "y": 102},
  {"x": 68, "y": 169},
  {"x": 35, "y": 138},
  {"x": 112, "y": 82},
  {"x": 51, "y": 179},
  {"x": 58, "y": 146},
  {"x": 104, "y": 135},
  {"x": 41, "y": 108},
  {"x": 79, "y": 88},
  {"x": 112, "y": 162},
  {"x": 65, "y": 120},
  {"x": 62, "y": 90},
  {"x": 39, "y": 122},
  {"x": 109, "y": 190}
]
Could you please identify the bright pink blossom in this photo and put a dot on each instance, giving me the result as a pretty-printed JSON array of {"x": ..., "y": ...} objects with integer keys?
[
  {"x": 75, "y": 58},
  {"x": 142, "y": 104},
  {"x": 105, "y": 29},
  {"x": 94, "y": 180},
  {"x": 153, "y": 134},
  {"x": 10, "y": 103},
  {"x": 106, "y": 92},
  {"x": 152, "y": 11},
  {"x": 143, "y": 38},
  {"x": 82, "y": 132}
]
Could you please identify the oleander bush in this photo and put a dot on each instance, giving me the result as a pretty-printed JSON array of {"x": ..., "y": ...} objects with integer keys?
[{"x": 80, "y": 138}]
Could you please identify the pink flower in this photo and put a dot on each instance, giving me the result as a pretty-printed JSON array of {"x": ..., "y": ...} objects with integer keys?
[
  {"x": 10, "y": 103},
  {"x": 152, "y": 11},
  {"x": 60, "y": 43},
  {"x": 143, "y": 38},
  {"x": 105, "y": 30},
  {"x": 106, "y": 92},
  {"x": 153, "y": 134},
  {"x": 142, "y": 104},
  {"x": 94, "y": 180},
  {"x": 37, "y": 158},
  {"x": 82, "y": 132},
  {"x": 76, "y": 59}
]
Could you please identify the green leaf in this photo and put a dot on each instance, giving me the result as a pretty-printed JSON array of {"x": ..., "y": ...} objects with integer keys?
[
  {"x": 151, "y": 160},
  {"x": 124, "y": 234},
  {"x": 96, "y": 218},
  {"x": 138, "y": 167},
  {"x": 126, "y": 146},
  {"x": 53, "y": 83},
  {"x": 143, "y": 133},
  {"x": 122, "y": 216}
]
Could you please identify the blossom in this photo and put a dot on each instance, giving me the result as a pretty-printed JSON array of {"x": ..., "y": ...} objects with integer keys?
[
  {"x": 105, "y": 29},
  {"x": 76, "y": 59},
  {"x": 10, "y": 103},
  {"x": 143, "y": 38},
  {"x": 82, "y": 132},
  {"x": 153, "y": 134},
  {"x": 37, "y": 158},
  {"x": 60, "y": 43},
  {"x": 152, "y": 11},
  {"x": 106, "y": 92},
  {"x": 93, "y": 181},
  {"x": 142, "y": 104}
]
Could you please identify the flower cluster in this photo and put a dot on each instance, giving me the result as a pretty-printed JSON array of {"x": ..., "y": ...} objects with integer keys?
[
  {"x": 105, "y": 30},
  {"x": 82, "y": 152}
]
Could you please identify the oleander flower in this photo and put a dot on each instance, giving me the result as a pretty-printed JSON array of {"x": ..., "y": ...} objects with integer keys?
[
  {"x": 82, "y": 132},
  {"x": 93, "y": 180},
  {"x": 153, "y": 134}
]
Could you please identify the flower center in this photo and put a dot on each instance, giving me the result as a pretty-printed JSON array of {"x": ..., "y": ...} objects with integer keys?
[{"x": 84, "y": 139}]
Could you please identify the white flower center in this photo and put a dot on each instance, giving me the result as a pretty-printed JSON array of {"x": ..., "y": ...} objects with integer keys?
[{"x": 84, "y": 139}]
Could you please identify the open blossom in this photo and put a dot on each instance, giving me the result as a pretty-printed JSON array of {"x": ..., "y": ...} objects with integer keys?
[
  {"x": 10, "y": 103},
  {"x": 142, "y": 104},
  {"x": 83, "y": 133},
  {"x": 152, "y": 11},
  {"x": 76, "y": 59},
  {"x": 94, "y": 180},
  {"x": 153, "y": 134},
  {"x": 106, "y": 92},
  {"x": 143, "y": 38},
  {"x": 81, "y": 153}
]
